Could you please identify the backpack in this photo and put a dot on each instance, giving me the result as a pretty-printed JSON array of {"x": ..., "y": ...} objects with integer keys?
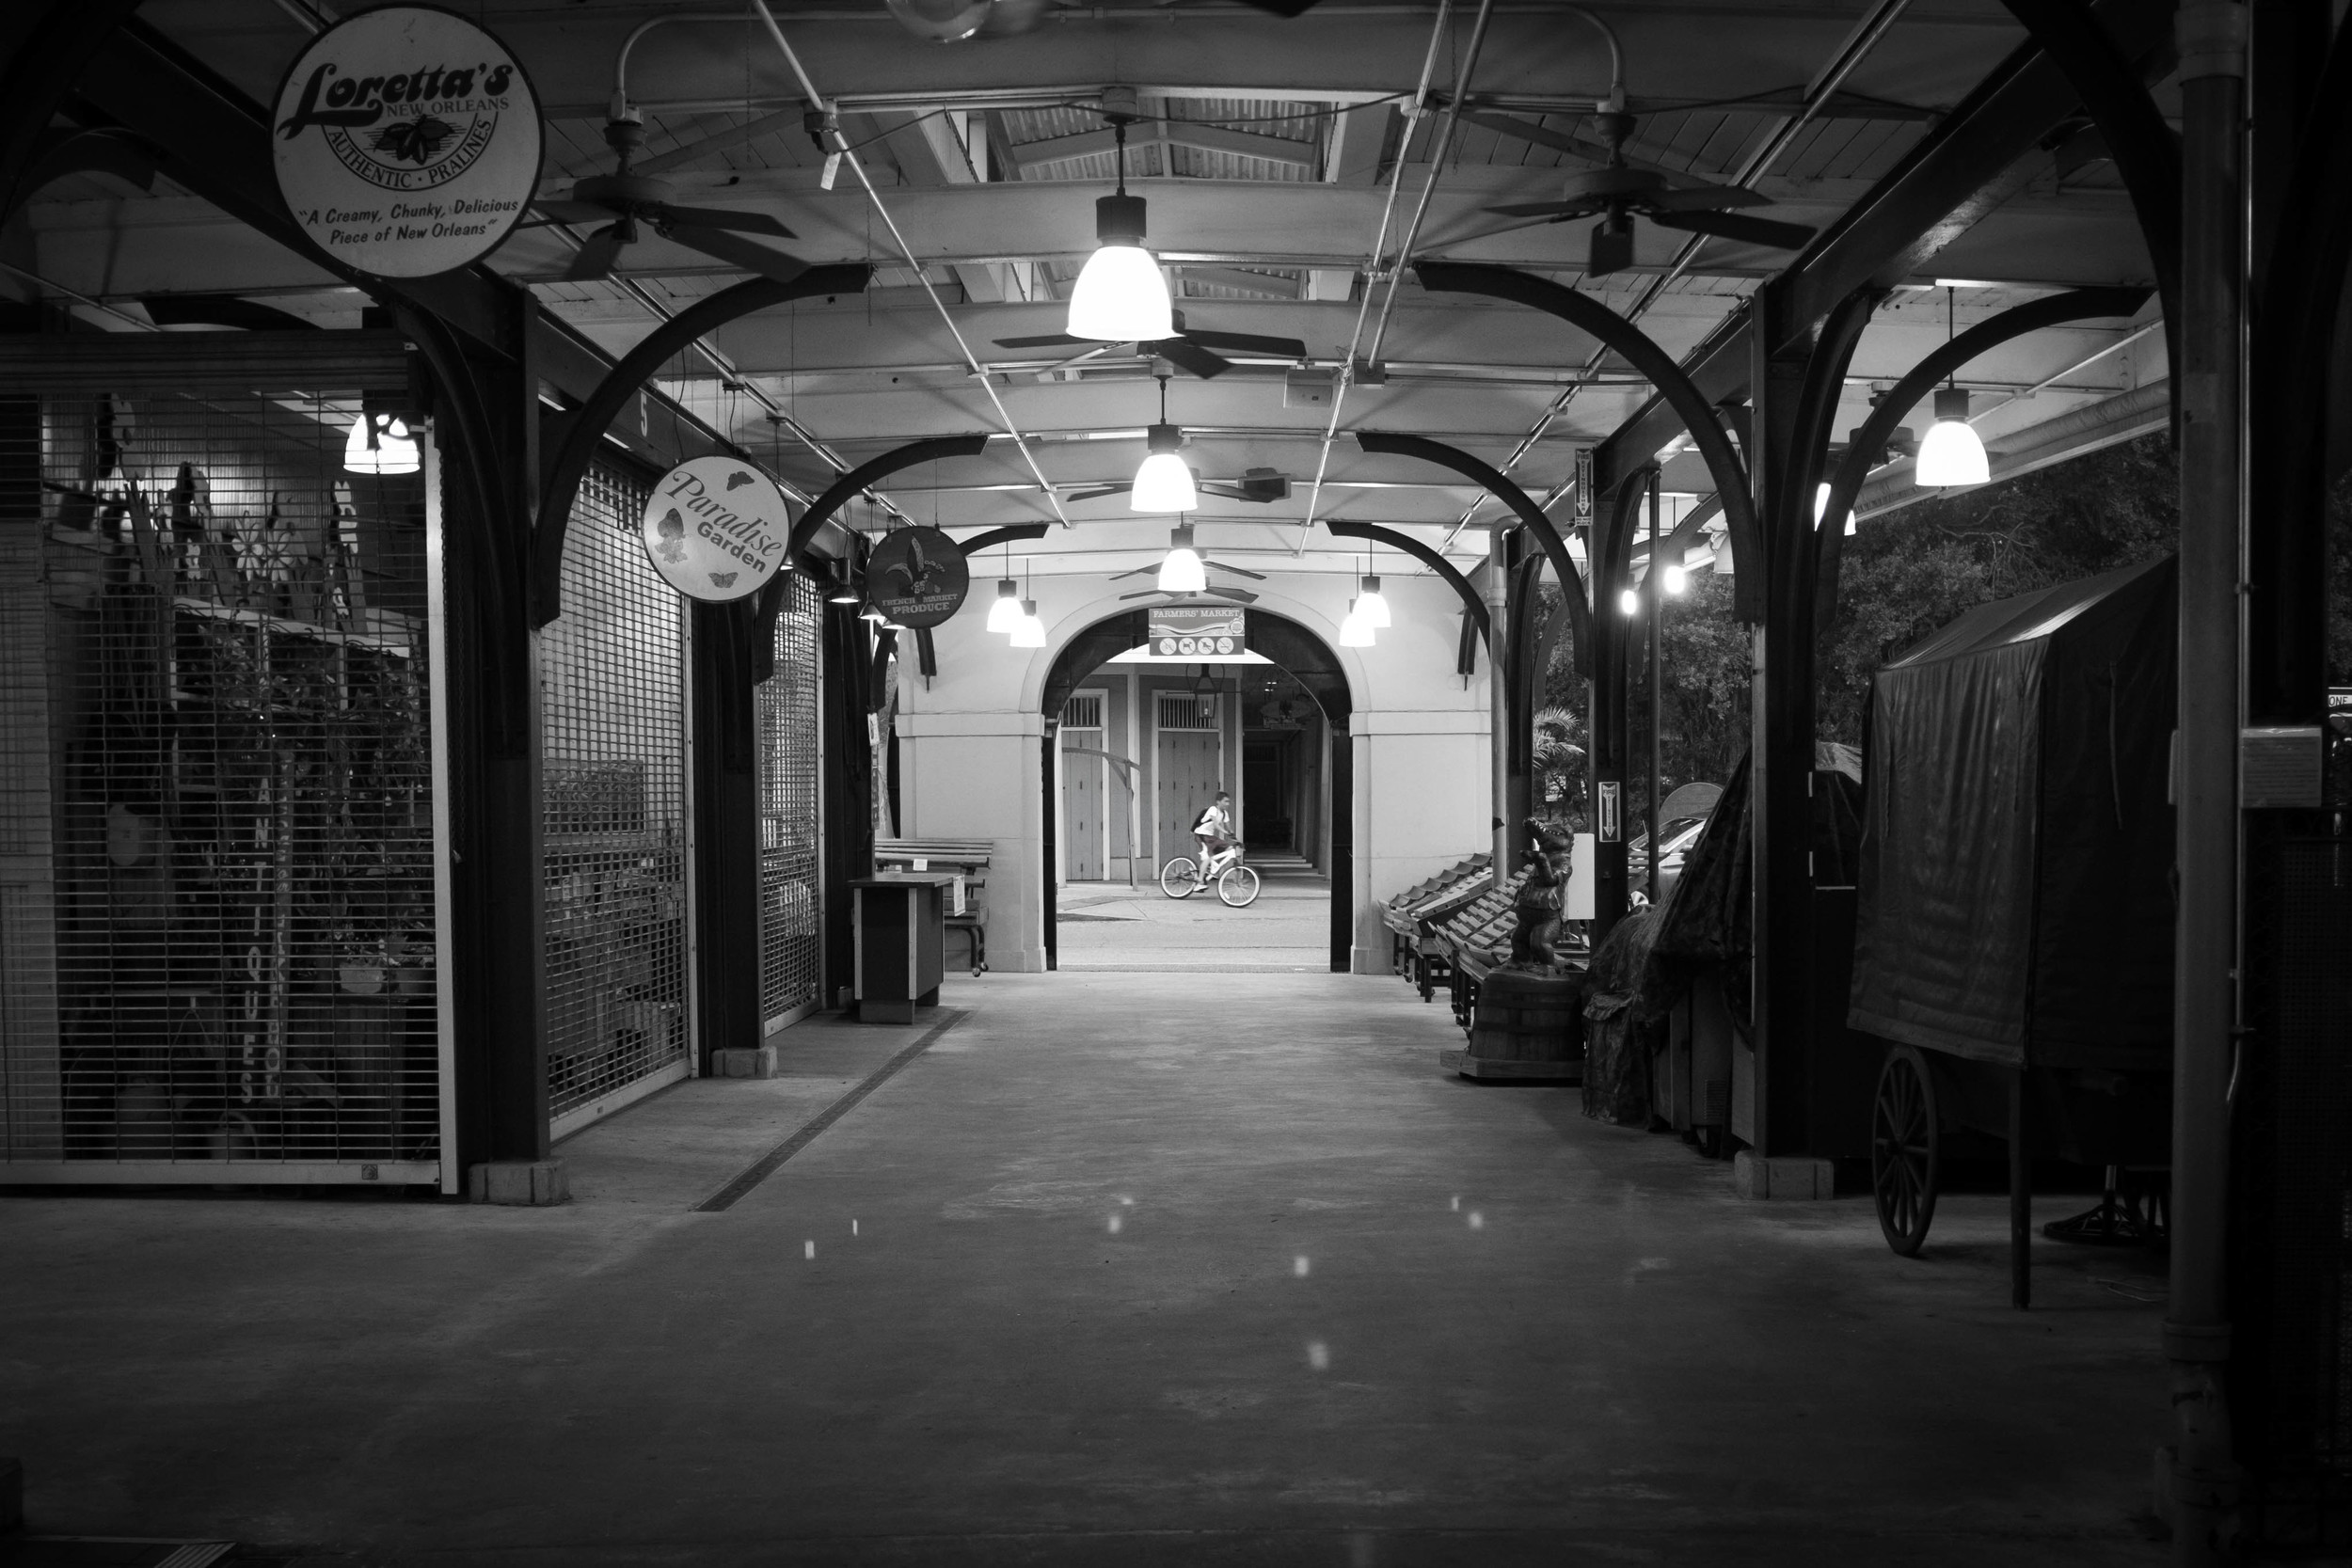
[{"x": 1206, "y": 813}]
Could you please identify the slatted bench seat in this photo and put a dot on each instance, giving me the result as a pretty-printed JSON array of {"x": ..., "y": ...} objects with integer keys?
[{"x": 967, "y": 859}]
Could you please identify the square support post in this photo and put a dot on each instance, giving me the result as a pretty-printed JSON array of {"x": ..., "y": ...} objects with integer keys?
[
  {"x": 725, "y": 789},
  {"x": 1780, "y": 776},
  {"x": 488, "y": 430}
]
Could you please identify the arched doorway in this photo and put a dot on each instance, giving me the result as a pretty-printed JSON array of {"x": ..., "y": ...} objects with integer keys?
[{"x": 1304, "y": 659}]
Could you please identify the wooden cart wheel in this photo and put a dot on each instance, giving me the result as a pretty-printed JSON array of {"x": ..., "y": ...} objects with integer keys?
[{"x": 1905, "y": 1149}]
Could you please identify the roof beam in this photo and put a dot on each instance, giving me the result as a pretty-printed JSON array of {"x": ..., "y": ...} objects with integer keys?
[{"x": 1177, "y": 132}]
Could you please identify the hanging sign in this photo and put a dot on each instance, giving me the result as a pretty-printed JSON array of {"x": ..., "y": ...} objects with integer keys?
[
  {"x": 1605, "y": 809},
  {"x": 406, "y": 141},
  {"x": 1196, "y": 631},
  {"x": 1583, "y": 484},
  {"x": 716, "y": 529},
  {"x": 916, "y": 576}
]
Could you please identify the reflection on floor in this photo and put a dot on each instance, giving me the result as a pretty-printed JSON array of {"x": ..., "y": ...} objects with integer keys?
[
  {"x": 1105, "y": 926},
  {"x": 1122, "y": 1269}
]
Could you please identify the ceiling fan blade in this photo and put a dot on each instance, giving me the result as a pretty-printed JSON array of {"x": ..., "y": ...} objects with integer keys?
[
  {"x": 595, "y": 257},
  {"x": 1549, "y": 212},
  {"x": 1542, "y": 135},
  {"x": 717, "y": 217},
  {"x": 1247, "y": 342},
  {"x": 1239, "y": 596},
  {"x": 1051, "y": 339},
  {"x": 1282, "y": 8},
  {"x": 1149, "y": 593},
  {"x": 1237, "y": 571},
  {"x": 1736, "y": 226},
  {"x": 741, "y": 253},
  {"x": 1559, "y": 141},
  {"x": 1702, "y": 198},
  {"x": 1135, "y": 572},
  {"x": 1098, "y": 491},
  {"x": 577, "y": 212},
  {"x": 1188, "y": 355}
]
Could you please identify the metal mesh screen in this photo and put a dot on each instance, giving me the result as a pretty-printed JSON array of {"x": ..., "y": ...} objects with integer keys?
[
  {"x": 614, "y": 808},
  {"x": 790, "y": 969},
  {"x": 216, "y": 927}
]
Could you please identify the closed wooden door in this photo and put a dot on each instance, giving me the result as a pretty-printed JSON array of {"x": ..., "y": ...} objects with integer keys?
[
  {"x": 1083, "y": 807},
  {"x": 1190, "y": 768}
]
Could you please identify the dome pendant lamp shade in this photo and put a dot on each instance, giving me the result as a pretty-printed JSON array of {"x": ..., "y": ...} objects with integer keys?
[
  {"x": 1005, "y": 613},
  {"x": 1181, "y": 569},
  {"x": 1120, "y": 295},
  {"x": 380, "y": 444},
  {"x": 1354, "y": 633},
  {"x": 1029, "y": 632},
  {"x": 1164, "y": 484},
  {"x": 1951, "y": 453},
  {"x": 1372, "y": 606}
]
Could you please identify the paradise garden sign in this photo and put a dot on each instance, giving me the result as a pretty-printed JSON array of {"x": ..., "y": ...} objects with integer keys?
[
  {"x": 716, "y": 529},
  {"x": 406, "y": 141}
]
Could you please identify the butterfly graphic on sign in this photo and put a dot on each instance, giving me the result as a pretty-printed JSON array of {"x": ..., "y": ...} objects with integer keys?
[
  {"x": 737, "y": 480},
  {"x": 723, "y": 579},
  {"x": 673, "y": 527}
]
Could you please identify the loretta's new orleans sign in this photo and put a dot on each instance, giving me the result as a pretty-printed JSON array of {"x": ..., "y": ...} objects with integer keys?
[{"x": 406, "y": 141}]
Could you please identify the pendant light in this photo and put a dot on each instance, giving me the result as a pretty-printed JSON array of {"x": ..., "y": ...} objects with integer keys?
[
  {"x": 380, "y": 444},
  {"x": 1629, "y": 601},
  {"x": 1369, "y": 603},
  {"x": 1354, "y": 633},
  {"x": 1164, "y": 484},
  {"x": 1951, "y": 453},
  {"x": 1677, "y": 577},
  {"x": 1205, "y": 689},
  {"x": 1120, "y": 296},
  {"x": 1005, "y": 612},
  {"x": 1029, "y": 632},
  {"x": 1181, "y": 570}
]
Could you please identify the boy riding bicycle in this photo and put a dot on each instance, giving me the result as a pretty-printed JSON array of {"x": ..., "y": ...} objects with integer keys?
[{"x": 1213, "y": 830}]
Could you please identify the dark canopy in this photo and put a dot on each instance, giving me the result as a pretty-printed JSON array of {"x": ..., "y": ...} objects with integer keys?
[{"x": 2017, "y": 841}]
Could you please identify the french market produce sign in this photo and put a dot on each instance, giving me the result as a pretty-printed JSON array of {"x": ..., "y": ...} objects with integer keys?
[
  {"x": 1196, "y": 631},
  {"x": 917, "y": 577},
  {"x": 716, "y": 529},
  {"x": 406, "y": 141}
]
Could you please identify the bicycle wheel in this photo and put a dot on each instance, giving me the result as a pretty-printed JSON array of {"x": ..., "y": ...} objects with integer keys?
[
  {"x": 1238, "y": 887},
  {"x": 1180, "y": 876}
]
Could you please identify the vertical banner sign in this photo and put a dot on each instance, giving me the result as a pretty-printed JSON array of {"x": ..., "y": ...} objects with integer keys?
[
  {"x": 716, "y": 529},
  {"x": 1196, "y": 631},
  {"x": 1608, "y": 811},
  {"x": 406, "y": 141},
  {"x": 1583, "y": 484}
]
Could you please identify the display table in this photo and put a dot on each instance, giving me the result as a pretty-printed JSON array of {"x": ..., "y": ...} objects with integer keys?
[{"x": 900, "y": 925}]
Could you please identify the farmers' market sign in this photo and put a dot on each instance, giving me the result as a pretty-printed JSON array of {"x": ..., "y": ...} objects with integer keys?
[
  {"x": 1196, "y": 631},
  {"x": 716, "y": 529},
  {"x": 406, "y": 141}
]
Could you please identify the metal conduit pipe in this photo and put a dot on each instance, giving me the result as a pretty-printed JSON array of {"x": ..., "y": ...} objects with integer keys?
[{"x": 1346, "y": 373}]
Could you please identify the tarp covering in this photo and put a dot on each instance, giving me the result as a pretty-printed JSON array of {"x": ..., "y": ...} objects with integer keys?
[{"x": 2014, "y": 901}]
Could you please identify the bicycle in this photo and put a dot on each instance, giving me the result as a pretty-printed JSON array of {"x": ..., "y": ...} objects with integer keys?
[{"x": 1237, "y": 884}]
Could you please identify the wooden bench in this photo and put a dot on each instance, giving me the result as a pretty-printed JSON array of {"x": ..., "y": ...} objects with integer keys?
[{"x": 967, "y": 859}]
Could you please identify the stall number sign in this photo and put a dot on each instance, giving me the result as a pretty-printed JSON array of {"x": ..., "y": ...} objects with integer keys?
[
  {"x": 406, "y": 141},
  {"x": 716, "y": 529},
  {"x": 1611, "y": 831},
  {"x": 1196, "y": 631}
]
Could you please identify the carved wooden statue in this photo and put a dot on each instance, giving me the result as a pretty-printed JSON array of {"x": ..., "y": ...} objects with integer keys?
[{"x": 1535, "y": 940}]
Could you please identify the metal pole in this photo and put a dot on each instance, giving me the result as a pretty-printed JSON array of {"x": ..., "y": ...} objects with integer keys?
[
  {"x": 2212, "y": 43},
  {"x": 1657, "y": 583},
  {"x": 1498, "y": 613}
]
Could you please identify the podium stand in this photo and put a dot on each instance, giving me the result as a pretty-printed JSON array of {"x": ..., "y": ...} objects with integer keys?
[{"x": 900, "y": 925}]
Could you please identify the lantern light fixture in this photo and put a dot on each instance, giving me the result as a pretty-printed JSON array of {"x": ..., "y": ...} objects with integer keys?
[
  {"x": 1120, "y": 295},
  {"x": 379, "y": 443},
  {"x": 1181, "y": 570}
]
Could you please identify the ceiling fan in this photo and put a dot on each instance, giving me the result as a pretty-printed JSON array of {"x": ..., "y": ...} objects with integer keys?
[
  {"x": 1256, "y": 485},
  {"x": 1189, "y": 350},
  {"x": 1238, "y": 595},
  {"x": 621, "y": 201},
  {"x": 1621, "y": 188},
  {"x": 1217, "y": 566}
]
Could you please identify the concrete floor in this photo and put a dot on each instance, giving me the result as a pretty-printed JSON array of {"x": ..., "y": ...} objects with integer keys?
[
  {"x": 1107, "y": 926},
  {"x": 1125, "y": 1269}
]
